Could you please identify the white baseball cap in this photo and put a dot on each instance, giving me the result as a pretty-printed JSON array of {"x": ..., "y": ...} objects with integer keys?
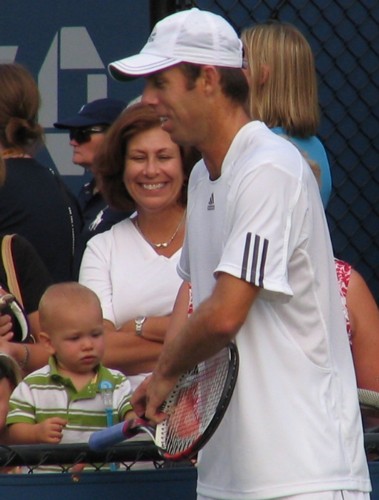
[{"x": 193, "y": 36}]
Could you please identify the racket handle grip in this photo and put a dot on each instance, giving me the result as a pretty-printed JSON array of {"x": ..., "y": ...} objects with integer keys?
[{"x": 100, "y": 440}]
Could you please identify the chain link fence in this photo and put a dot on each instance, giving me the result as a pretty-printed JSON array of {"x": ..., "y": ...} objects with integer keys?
[{"x": 344, "y": 36}]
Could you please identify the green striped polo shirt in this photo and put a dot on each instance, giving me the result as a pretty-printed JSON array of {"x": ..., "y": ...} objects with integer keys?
[{"x": 45, "y": 393}]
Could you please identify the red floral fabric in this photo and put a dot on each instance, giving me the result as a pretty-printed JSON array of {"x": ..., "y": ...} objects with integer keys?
[{"x": 343, "y": 270}]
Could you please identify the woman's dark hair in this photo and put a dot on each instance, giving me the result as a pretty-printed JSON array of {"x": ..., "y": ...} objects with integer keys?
[
  {"x": 19, "y": 105},
  {"x": 2, "y": 171},
  {"x": 9, "y": 370},
  {"x": 110, "y": 161}
]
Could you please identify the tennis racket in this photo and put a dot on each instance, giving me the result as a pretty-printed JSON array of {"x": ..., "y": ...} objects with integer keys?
[{"x": 195, "y": 408}]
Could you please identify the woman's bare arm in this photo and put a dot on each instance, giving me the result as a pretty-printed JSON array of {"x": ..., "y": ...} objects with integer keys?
[
  {"x": 364, "y": 319},
  {"x": 128, "y": 352}
]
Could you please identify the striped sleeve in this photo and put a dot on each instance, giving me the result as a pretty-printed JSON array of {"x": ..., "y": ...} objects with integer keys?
[
  {"x": 254, "y": 259},
  {"x": 21, "y": 406}
]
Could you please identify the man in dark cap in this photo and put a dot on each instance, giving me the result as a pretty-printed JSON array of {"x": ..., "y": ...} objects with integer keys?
[{"x": 87, "y": 131}]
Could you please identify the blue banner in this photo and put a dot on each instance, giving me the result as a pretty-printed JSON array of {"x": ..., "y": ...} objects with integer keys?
[{"x": 67, "y": 45}]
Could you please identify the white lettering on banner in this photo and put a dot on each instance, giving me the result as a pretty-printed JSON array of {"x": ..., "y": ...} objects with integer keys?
[
  {"x": 71, "y": 49},
  {"x": 8, "y": 53}
]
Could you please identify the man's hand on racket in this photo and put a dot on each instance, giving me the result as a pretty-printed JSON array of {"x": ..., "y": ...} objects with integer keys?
[{"x": 148, "y": 398}]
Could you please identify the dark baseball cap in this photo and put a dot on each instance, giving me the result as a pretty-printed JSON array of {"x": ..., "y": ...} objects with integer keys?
[{"x": 99, "y": 112}]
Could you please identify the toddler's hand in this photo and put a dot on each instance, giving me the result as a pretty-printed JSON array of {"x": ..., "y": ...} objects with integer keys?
[{"x": 51, "y": 430}]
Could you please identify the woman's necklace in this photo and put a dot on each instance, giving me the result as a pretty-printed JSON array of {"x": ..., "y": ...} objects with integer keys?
[
  {"x": 13, "y": 153},
  {"x": 164, "y": 244}
]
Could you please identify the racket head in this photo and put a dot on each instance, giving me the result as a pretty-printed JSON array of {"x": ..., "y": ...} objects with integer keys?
[{"x": 197, "y": 405}]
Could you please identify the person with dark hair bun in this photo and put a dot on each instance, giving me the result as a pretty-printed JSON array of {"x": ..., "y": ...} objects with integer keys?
[{"x": 34, "y": 201}]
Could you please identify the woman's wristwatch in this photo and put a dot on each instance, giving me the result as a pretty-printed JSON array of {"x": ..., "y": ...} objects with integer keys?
[{"x": 139, "y": 321}]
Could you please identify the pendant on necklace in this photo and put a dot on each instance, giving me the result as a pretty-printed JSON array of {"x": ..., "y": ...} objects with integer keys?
[{"x": 164, "y": 244}]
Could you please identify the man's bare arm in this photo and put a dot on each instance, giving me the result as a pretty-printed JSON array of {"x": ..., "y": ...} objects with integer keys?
[{"x": 211, "y": 327}]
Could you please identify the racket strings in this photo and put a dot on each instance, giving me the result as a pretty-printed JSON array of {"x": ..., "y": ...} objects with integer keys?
[{"x": 195, "y": 404}]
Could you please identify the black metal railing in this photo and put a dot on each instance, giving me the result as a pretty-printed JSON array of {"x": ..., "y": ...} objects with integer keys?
[{"x": 66, "y": 456}]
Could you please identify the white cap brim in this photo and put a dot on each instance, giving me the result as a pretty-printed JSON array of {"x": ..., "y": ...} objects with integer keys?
[
  {"x": 191, "y": 36},
  {"x": 140, "y": 65}
]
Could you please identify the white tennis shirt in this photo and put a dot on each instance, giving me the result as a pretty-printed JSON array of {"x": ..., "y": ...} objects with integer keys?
[{"x": 293, "y": 425}]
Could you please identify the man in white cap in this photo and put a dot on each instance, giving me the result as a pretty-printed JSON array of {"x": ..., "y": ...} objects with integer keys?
[{"x": 259, "y": 257}]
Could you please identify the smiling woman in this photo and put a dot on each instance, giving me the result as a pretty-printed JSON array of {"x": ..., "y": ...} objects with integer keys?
[
  {"x": 132, "y": 267},
  {"x": 154, "y": 177}
]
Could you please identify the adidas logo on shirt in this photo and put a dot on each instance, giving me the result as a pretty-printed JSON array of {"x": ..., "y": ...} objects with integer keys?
[{"x": 211, "y": 202}]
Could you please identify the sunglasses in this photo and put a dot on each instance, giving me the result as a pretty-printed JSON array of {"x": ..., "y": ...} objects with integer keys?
[{"x": 83, "y": 135}]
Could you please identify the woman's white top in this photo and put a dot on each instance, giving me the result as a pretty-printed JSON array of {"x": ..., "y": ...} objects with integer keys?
[{"x": 128, "y": 275}]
